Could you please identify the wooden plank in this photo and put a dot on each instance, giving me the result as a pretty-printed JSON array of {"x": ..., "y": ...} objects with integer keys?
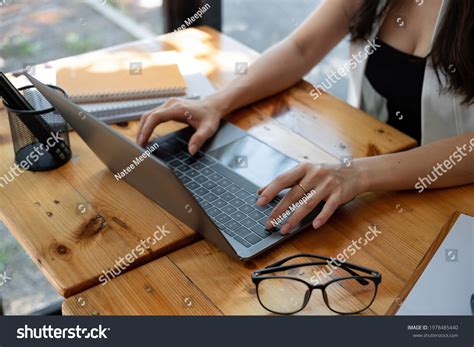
[
  {"x": 224, "y": 280},
  {"x": 279, "y": 137},
  {"x": 227, "y": 282},
  {"x": 423, "y": 264},
  {"x": 158, "y": 288},
  {"x": 75, "y": 222},
  {"x": 333, "y": 125},
  {"x": 350, "y": 223},
  {"x": 73, "y": 245},
  {"x": 407, "y": 221}
]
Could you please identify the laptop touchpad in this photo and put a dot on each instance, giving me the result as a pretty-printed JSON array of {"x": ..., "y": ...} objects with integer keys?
[{"x": 254, "y": 160}]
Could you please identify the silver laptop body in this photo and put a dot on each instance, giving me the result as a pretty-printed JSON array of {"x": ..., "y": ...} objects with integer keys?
[{"x": 154, "y": 178}]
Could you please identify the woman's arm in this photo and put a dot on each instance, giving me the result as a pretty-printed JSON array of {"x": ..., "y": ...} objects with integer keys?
[
  {"x": 286, "y": 63},
  {"x": 277, "y": 69},
  {"x": 449, "y": 162}
]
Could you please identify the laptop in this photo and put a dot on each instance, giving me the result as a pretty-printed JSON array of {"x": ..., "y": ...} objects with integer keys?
[{"x": 213, "y": 192}]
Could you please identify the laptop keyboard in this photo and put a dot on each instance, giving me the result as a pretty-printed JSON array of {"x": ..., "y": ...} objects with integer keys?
[{"x": 230, "y": 207}]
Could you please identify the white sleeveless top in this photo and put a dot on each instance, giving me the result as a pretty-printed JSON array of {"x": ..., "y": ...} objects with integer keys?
[{"x": 442, "y": 113}]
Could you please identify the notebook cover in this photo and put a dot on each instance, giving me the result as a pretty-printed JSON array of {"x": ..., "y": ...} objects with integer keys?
[{"x": 108, "y": 82}]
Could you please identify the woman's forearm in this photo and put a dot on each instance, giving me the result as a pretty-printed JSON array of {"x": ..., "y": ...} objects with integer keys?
[
  {"x": 445, "y": 163},
  {"x": 286, "y": 63},
  {"x": 277, "y": 69}
]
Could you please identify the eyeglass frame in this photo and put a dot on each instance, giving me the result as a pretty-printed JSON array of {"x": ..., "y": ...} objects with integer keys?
[{"x": 349, "y": 267}]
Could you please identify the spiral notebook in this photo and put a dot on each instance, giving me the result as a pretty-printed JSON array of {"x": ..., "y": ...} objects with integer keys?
[
  {"x": 137, "y": 81},
  {"x": 124, "y": 111},
  {"x": 198, "y": 86}
]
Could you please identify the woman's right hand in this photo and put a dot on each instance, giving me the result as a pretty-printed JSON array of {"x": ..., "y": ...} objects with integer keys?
[{"x": 202, "y": 115}]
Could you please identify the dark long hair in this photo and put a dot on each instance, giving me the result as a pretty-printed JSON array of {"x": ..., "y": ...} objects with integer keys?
[{"x": 452, "y": 53}]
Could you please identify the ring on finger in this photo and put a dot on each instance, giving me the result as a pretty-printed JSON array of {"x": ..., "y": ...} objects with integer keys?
[{"x": 302, "y": 188}]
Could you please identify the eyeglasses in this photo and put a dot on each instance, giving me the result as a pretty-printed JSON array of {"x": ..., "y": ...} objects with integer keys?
[{"x": 346, "y": 291}]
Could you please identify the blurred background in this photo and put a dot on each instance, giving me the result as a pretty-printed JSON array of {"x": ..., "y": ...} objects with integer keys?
[{"x": 36, "y": 31}]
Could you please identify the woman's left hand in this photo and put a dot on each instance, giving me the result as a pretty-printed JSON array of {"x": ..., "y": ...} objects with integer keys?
[{"x": 335, "y": 184}]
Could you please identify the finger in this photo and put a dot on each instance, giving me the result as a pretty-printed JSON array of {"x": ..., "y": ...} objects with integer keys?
[
  {"x": 203, "y": 132},
  {"x": 292, "y": 196},
  {"x": 147, "y": 127},
  {"x": 329, "y": 207},
  {"x": 157, "y": 117},
  {"x": 140, "y": 125},
  {"x": 261, "y": 189},
  {"x": 166, "y": 106},
  {"x": 283, "y": 181},
  {"x": 303, "y": 210}
]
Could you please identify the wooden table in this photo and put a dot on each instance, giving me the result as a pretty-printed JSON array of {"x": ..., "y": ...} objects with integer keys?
[{"x": 183, "y": 274}]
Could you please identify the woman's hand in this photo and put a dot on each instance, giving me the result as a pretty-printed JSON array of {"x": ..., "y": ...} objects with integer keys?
[
  {"x": 202, "y": 115},
  {"x": 335, "y": 184}
]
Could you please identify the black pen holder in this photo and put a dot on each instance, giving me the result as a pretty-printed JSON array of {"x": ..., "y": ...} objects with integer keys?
[{"x": 30, "y": 153}]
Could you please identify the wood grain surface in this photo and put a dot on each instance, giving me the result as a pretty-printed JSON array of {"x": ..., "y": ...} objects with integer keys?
[
  {"x": 408, "y": 224},
  {"x": 393, "y": 309},
  {"x": 155, "y": 287},
  {"x": 73, "y": 248}
]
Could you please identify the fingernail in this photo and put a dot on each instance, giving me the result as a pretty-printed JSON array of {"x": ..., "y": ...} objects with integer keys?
[
  {"x": 286, "y": 228},
  {"x": 193, "y": 149},
  {"x": 262, "y": 200},
  {"x": 268, "y": 225},
  {"x": 317, "y": 223},
  {"x": 139, "y": 140}
]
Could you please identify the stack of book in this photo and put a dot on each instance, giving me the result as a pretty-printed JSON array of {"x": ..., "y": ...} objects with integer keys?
[
  {"x": 122, "y": 86},
  {"x": 120, "y": 89}
]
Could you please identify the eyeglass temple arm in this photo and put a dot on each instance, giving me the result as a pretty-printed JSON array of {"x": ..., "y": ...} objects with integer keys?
[
  {"x": 284, "y": 260},
  {"x": 344, "y": 266},
  {"x": 307, "y": 255}
]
